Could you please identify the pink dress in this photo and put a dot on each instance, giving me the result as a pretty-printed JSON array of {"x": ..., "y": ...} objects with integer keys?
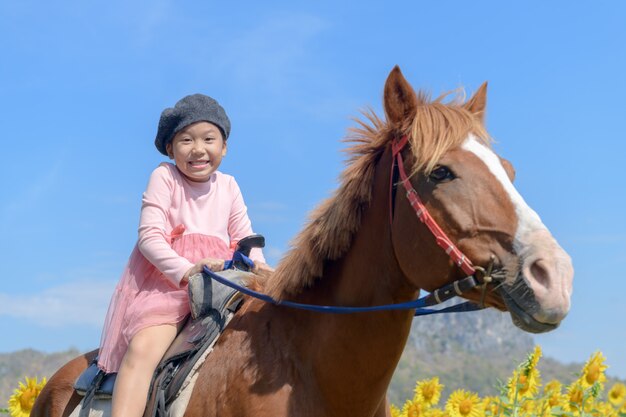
[{"x": 181, "y": 223}]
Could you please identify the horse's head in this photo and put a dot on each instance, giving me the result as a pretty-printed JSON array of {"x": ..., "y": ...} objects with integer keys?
[{"x": 468, "y": 190}]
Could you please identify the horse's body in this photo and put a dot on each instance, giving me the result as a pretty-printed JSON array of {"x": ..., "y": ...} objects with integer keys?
[{"x": 361, "y": 250}]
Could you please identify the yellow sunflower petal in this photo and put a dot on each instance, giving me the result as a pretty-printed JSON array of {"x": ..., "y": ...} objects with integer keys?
[
  {"x": 617, "y": 394},
  {"x": 527, "y": 407},
  {"x": 493, "y": 406},
  {"x": 23, "y": 398},
  {"x": 523, "y": 384},
  {"x": 552, "y": 387},
  {"x": 428, "y": 392},
  {"x": 577, "y": 398},
  {"x": 464, "y": 404},
  {"x": 413, "y": 409},
  {"x": 435, "y": 412},
  {"x": 534, "y": 357},
  {"x": 594, "y": 369}
]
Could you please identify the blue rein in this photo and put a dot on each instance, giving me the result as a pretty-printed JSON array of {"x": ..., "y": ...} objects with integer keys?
[{"x": 436, "y": 297}]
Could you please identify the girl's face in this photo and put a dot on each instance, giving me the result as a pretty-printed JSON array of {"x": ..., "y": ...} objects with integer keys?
[{"x": 197, "y": 150}]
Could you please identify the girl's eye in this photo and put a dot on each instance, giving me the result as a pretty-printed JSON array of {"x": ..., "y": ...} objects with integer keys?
[{"x": 440, "y": 174}]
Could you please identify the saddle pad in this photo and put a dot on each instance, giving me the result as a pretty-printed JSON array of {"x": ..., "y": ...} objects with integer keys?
[{"x": 90, "y": 376}]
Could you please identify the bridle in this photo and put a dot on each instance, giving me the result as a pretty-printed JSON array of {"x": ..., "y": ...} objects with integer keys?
[
  {"x": 442, "y": 240},
  {"x": 477, "y": 276},
  {"x": 397, "y": 165}
]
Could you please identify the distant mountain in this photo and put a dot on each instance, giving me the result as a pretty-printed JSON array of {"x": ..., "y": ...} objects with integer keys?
[
  {"x": 465, "y": 350},
  {"x": 473, "y": 351},
  {"x": 15, "y": 366}
]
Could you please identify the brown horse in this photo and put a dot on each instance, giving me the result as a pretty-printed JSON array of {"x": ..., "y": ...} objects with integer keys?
[{"x": 365, "y": 246}]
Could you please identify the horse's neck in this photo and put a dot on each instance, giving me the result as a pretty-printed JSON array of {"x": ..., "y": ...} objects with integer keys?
[{"x": 353, "y": 356}]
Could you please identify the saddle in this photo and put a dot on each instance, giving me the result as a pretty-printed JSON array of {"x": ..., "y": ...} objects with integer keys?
[{"x": 212, "y": 305}]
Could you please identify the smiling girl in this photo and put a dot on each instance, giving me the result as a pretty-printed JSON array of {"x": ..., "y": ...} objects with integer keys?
[{"x": 191, "y": 215}]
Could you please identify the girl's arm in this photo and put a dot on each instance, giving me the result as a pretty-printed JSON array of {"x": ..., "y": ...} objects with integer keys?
[
  {"x": 239, "y": 225},
  {"x": 154, "y": 243}
]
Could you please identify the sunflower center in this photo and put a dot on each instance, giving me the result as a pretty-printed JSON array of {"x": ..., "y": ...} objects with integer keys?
[
  {"x": 523, "y": 383},
  {"x": 576, "y": 397},
  {"x": 414, "y": 411},
  {"x": 428, "y": 392},
  {"x": 494, "y": 408},
  {"x": 27, "y": 399},
  {"x": 465, "y": 407},
  {"x": 593, "y": 374},
  {"x": 554, "y": 400}
]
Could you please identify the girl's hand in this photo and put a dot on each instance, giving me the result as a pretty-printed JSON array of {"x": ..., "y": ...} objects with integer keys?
[{"x": 211, "y": 263}]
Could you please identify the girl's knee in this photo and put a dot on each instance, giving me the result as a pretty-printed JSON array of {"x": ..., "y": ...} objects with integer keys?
[{"x": 150, "y": 344}]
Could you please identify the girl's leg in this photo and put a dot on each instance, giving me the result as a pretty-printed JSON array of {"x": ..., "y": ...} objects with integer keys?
[{"x": 141, "y": 359}]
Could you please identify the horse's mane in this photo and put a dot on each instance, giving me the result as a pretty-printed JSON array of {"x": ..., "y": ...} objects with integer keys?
[{"x": 436, "y": 128}]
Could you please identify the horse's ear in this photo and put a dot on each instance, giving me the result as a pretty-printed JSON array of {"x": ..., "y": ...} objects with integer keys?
[
  {"x": 477, "y": 104},
  {"x": 400, "y": 101}
]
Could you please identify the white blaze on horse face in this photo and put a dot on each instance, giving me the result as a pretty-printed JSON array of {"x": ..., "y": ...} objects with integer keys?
[
  {"x": 546, "y": 267},
  {"x": 528, "y": 219}
]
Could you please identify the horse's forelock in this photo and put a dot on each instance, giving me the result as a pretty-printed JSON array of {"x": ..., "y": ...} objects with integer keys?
[{"x": 438, "y": 127}]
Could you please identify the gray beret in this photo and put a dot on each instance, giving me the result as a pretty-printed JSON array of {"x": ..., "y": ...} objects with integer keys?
[{"x": 188, "y": 110}]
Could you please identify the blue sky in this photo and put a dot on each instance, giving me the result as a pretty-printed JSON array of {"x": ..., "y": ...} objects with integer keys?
[{"x": 82, "y": 85}]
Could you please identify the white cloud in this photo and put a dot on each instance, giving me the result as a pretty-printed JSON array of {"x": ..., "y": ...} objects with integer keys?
[{"x": 79, "y": 302}]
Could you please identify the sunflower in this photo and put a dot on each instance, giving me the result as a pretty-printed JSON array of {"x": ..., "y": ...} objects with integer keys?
[
  {"x": 617, "y": 394},
  {"x": 463, "y": 404},
  {"x": 395, "y": 412},
  {"x": 527, "y": 407},
  {"x": 413, "y": 409},
  {"x": 552, "y": 387},
  {"x": 523, "y": 384},
  {"x": 555, "y": 398},
  {"x": 492, "y": 406},
  {"x": 575, "y": 398},
  {"x": 533, "y": 359},
  {"x": 428, "y": 392},
  {"x": 593, "y": 371},
  {"x": 23, "y": 398},
  {"x": 543, "y": 408},
  {"x": 603, "y": 409},
  {"x": 435, "y": 412}
]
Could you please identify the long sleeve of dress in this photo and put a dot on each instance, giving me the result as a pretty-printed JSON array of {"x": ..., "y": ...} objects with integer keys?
[
  {"x": 153, "y": 240},
  {"x": 239, "y": 225}
]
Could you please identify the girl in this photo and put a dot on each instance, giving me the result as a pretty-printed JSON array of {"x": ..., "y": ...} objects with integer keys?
[{"x": 191, "y": 215}]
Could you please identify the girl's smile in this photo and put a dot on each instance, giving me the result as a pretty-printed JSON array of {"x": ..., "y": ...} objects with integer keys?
[
  {"x": 199, "y": 164},
  {"x": 198, "y": 150}
]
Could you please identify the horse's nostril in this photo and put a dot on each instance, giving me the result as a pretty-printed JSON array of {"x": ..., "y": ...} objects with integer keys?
[{"x": 539, "y": 273}]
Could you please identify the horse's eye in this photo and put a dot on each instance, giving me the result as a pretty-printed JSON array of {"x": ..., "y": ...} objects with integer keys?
[{"x": 440, "y": 174}]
